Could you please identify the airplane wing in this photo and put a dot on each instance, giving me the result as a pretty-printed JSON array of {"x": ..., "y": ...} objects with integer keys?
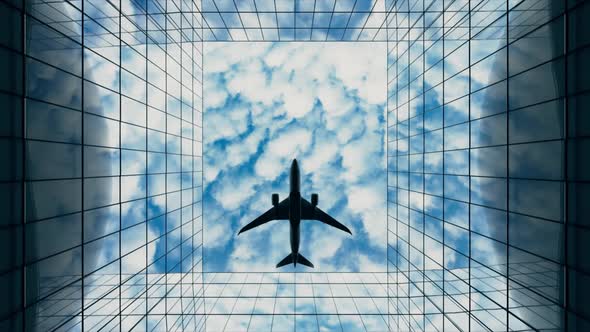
[
  {"x": 281, "y": 211},
  {"x": 308, "y": 211}
]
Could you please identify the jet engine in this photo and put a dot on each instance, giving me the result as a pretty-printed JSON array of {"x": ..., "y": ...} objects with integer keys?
[{"x": 314, "y": 199}]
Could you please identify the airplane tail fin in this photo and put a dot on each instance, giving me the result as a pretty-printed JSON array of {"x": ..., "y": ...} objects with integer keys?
[
  {"x": 286, "y": 260},
  {"x": 289, "y": 260},
  {"x": 303, "y": 260}
]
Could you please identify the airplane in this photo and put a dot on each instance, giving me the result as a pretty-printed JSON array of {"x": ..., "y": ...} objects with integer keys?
[{"x": 294, "y": 208}]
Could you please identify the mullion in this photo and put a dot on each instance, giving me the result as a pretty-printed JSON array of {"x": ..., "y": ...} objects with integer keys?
[
  {"x": 331, "y": 17},
  {"x": 349, "y": 18},
  {"x": 241, "y": 22},
  {"x": 367, "y": 19}
]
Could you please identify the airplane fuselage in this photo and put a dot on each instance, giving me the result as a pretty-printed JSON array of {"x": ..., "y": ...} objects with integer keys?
[{"x": 294, "y": 207}]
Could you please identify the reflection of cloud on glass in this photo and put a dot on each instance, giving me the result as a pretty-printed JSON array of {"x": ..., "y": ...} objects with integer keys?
[
  {"x": 476, "y": 161},
  {"x": 532, "y": 240},
  {"x": 54, "y": 157}
]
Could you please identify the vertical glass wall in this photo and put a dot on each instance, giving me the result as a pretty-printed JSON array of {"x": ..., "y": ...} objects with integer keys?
[
  {"x": 486, "y": 171},
  {"x": 101, "y": 165}
]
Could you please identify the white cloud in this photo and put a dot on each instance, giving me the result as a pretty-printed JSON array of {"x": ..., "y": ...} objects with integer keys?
[
  {"x": 366, "y": 264},
  {"x": 215, "y": 94},
  {"x": 226, "y": 123},
  {"x": 239, "y": 152},
  {"x": 286, "y": 146},
  {"x": 323, "y": 154},
  {"x": 358, "y": 154},
  {"x": 232, "y": 191},
  {"x": 247, "y": 254},
  {"x": 324, "y": 244},
  {"x": 225, "y": 57},
  {"x": 217, "y": 234},
  {"x": 250, "y": 81},
  {"x": 278, "y": 56},
  {"x": 370, "y": 202},
  {"x": 297, "y": 102},
  {"x": 369, "y": 84},
  {"x": 334, "y": 99}
]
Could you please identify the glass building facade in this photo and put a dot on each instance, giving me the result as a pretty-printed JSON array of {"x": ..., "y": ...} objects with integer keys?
[
  {"x": 101, "y": 175},
  {"x": 487, "y": 170},
  {"x": 101, "y": 172}
]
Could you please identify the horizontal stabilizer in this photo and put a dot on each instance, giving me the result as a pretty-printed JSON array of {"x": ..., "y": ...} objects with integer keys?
[
  {"x": 303, "y": 260},
  {"x": 289, "y": 260},
  {"x": 286, "y": 260}
]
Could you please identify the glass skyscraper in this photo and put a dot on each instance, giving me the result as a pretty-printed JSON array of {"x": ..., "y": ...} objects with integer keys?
[
  {"x": 102, "y": 174},
  {"x": 487, "y": 165}
]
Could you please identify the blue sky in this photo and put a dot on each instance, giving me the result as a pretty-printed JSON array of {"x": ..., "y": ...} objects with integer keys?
[{"x": 267, "y": 103}]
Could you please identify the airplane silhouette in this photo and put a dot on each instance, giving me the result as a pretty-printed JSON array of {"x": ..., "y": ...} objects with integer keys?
[{"x": 294, "y": 208}]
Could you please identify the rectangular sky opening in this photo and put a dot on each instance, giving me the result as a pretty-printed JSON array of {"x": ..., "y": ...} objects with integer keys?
[{"x": 268, "y": 103}]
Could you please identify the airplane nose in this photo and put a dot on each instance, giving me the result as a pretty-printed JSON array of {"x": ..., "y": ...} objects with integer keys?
[{"x": 294, "y": 163}]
